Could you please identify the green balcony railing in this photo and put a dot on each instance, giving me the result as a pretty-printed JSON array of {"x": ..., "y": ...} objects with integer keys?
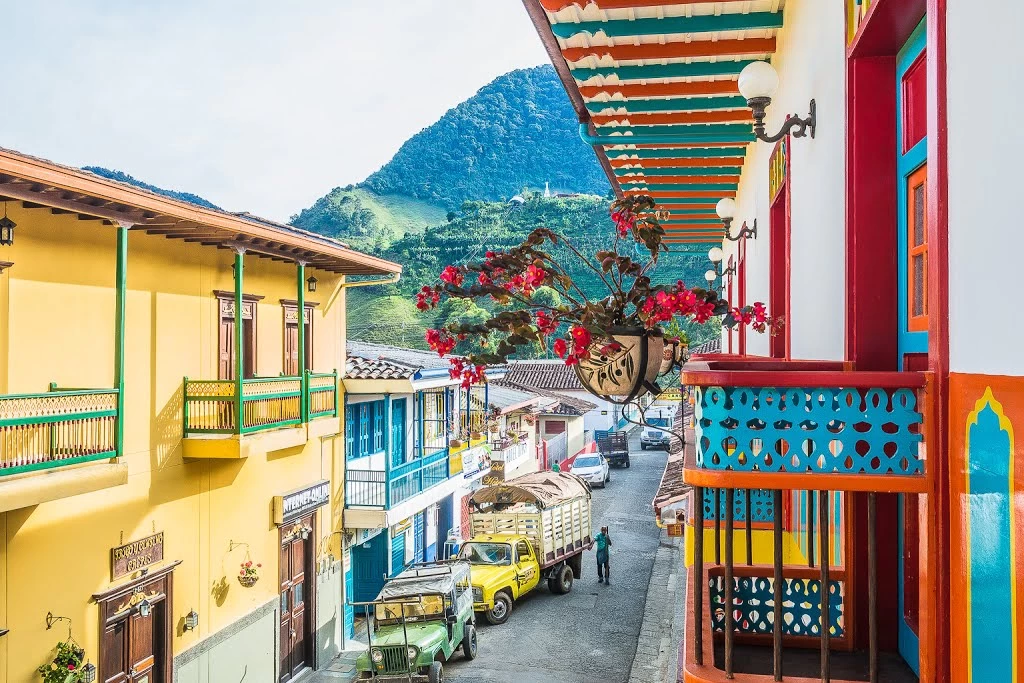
[
  {"x": 58, "y": 428},
  {"x": 267, "y": 403},
  {"x": 322, "y": 394}
]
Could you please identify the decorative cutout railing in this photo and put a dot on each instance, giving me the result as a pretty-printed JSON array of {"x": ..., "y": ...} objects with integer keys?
[
  {"x": 762, "y": 505},
  {"x": 809, "y": 422},
  {"x": 753, "y": 602},
  {"x": 62, "y": 427},
  {"x": 267, "y": 403},
  {"x": 380, "y": 488},
  {"x": 322, "y": 394}
]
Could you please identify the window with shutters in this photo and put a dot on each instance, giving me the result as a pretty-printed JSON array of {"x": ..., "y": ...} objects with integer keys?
[
  {"x": 291, "y": 336},
  {"x": 226, "y": 334}
]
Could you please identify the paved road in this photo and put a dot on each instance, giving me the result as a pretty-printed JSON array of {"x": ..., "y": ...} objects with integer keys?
[{"x": 589, "y": 635}]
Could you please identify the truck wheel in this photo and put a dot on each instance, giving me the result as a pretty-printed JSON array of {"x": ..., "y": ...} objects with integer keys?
[
  {"x": 436, "y": 673},
  {"x": 501, "y": 611},
  {"x": 469, "y": 642},
  {"x": 627, "y": 463},
  {"x": 561, "y": 582},
  {"x": 643, "y": 447}
]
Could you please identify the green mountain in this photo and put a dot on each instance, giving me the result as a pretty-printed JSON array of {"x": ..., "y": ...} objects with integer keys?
[
  {"x": 517, "y": 131},
  {"x": 366, "y": 220},
  {"x": 125, "y": 178}
]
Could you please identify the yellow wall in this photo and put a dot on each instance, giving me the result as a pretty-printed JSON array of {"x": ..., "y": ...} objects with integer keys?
[{"x": 60, "y": 316}]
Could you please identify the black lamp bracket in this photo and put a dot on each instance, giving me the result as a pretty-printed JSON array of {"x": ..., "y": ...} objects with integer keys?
[
  {"x": 750, "y": 232},
  {"x": 794, "y": 125}
]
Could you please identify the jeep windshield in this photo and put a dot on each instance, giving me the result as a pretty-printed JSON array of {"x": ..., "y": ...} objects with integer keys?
[
  {"x": 429, "y": 607},
  {"x": 499, "y": 554}
]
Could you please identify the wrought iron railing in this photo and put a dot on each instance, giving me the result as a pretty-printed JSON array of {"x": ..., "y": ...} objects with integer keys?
[
  {"x": 322, "y": 388},
  {"x": 387, "y": 488},
  {"x": 58, "y": 428},
  {"x": 779, "y": 422}
]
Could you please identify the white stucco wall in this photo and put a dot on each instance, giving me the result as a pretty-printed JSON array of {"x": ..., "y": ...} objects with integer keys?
[
  {"x": 810, "y": 59},
  {"x": 985, "y": 238}
]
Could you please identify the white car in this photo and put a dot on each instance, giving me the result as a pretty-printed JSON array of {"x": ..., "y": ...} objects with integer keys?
[{"x": 592, "y": 468}]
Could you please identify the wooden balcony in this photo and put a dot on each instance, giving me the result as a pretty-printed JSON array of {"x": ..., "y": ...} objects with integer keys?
[
  {"x": 58, "y": 433},
  {"x": 279, "y": 406},
  {"x": 381, "y": 497},
  {"x": 762, "y": 423}
]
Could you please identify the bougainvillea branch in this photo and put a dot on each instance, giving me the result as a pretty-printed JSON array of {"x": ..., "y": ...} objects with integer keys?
[{"x": 580, "y": 325}]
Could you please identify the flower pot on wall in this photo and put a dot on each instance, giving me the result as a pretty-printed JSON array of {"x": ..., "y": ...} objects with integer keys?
[
  {"x": 628, "y": 372},
  {"x": 672, "y": 354}
]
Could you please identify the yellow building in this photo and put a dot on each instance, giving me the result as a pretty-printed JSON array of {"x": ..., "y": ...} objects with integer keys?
[{"x": 130, "y": 493}]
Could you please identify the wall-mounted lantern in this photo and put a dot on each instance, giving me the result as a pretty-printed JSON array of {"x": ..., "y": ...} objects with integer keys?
[
  {"x": 715, "y": 255},
  {"x": 757, "y": 83},
  {"x": 726, "y": 210},
  {"x": 7, "y": 229},
  {"x": 311, "y": 284},
  {"x": 191, "y": 621}
]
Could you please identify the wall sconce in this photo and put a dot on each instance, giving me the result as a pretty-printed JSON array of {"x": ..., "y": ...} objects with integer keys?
[
  {"x": 757, "y": 83},
  {"x": 726, "y": 210},
  {"x": 89, "y": 673},
  {"x": 311, "y": 284},
  {"x": 715, "y": 254},
  {"x": 145, "y": 608},
  {"x": 6, "y": 229},
  {"x": 191, "y": 621}
]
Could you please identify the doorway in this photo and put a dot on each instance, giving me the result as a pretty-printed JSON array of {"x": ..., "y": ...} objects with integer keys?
[
  {"x": 136, "y": 630},
  {"x": 779, "y": 249},
  {"x": 297, "y": 619}
]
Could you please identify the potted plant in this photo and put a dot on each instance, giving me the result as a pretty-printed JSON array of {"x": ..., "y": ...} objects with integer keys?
[
  {"x": 617, "y": 343},
  {"x": 249, "y": 574},
  {"x": 460, "y": 439},
  {"x": 66, "y": 666}
]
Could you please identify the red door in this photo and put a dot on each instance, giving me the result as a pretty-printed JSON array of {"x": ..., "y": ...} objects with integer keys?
[
  {"x": 295, "y": 595},
  {"x": 778, "y": 294}
]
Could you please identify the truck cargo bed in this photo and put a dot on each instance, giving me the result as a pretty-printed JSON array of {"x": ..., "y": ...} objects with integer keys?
[{"x": 556, "y": 533}]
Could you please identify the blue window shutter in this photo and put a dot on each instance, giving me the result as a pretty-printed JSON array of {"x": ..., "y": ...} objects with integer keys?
[
  {"x": 378, "y": 426},
  {"x": 350, "y": 437},
  {"x": 398, "y": 431},
  {"x": 364, "y": 429}
]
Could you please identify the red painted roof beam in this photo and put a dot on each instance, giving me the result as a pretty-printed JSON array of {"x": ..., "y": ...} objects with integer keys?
[
  {"x": 641, "y": 164},
  {"x": 673, "y": 50},
  {"x": 558, "y": 5},
  {"x": 718, "y": 116},
  {"x": 681, "y": 89}
]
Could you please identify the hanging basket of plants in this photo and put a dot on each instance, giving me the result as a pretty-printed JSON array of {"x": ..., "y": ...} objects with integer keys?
[
  {"x": 249, "y": 574},
  {"x": 616, "y": 343}
]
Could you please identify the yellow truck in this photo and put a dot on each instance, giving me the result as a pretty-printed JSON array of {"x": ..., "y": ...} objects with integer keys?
[{"x": 531, "y": 528}]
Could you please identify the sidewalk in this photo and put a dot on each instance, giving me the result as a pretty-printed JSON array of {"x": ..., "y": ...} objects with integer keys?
[
  {"x": 657, "y": 651},
  {"x": 342, "y": 668}
]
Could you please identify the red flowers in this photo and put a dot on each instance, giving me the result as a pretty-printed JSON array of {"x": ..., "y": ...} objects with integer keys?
[
  {"x": 440, "y": 341},
  {"x": 545, "y": 323},
  {"x": 452, "y": 276},
  {"x": 535, "y": 276},
  {"x": 625, "y": 220},
  {"x": 580, "y": 350},
  {"x": 560, "y": 347},
  {"x": 468, "y": 372},
  {"x": 427, "y": 298}
]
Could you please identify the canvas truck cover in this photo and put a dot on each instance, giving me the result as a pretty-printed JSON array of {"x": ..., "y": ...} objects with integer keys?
[
  {"x": 424, "y": 581},
  {"x": 541, "y": 489}
]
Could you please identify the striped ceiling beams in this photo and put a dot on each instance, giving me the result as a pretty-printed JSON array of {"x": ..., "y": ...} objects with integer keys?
[
  {"x": 559, "y": 5},
  {"x": 618, "y": 28},
  {"x": 726, "y": 87},
  {"x": 674, "y": 70},
  {"x": 710, "y": 171},
  {"x": 723, "y": 116},
  {"x": 675, "y": 104},
  {"x": 673, "y": 50}
]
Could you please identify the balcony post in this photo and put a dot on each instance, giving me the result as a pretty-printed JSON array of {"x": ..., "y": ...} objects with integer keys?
[
  {"x": 824, "y": 560},
  {"x": 777, "y": 584},
  {"x": 300, "y": 300},
  {"x": 730, "y": 501},
  {"x": 698, "y": 571},
  {"x": 121, "y": 280},
  {"x": 387, "y": 451},
  {"x": 239, "y": 338}
]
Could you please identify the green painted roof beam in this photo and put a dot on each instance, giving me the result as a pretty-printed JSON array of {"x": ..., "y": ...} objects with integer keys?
[
  {"x": 686, "y": 170},
  {"x": 658, "y": 27},
  {"x": 671, "y": 104},
  {"x": 675, "y": 153},
  {"x": 677, "y": 187},
  {"x": 683, "y": 212},
  {"x": 649, "y": 72},
  {"x": 683, "y": 200},
  {"x": 687, "y": 221}
]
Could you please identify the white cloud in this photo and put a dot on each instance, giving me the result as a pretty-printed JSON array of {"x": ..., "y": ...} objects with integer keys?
[{"x": 258, "y": 105}]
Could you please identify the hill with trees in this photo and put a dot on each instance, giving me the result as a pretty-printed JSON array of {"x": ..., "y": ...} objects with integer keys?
[{"x": 122, "y": 177}]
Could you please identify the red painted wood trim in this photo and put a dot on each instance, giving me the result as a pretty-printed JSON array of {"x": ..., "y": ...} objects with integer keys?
[
  {"x": 693, "y": 194},
  {"x": 809, "y": 379},
  {"x": 886, "y": 27},
  {"x": 658, "y": 118},
  {"x": 641, "y": 164},
  {"x": 673, "y": 50},
  {"x": 726, "y": 361},
  {"x": 682, "y": 179},
  {"x": 726, "y": 87},
  {"x": 557, "y": 5}
]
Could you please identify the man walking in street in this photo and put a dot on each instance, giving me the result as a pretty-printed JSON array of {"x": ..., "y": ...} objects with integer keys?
[{"x": 603, "y": 542}]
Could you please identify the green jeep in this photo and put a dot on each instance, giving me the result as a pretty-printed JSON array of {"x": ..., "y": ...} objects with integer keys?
[{"x": 420, "y": 618}]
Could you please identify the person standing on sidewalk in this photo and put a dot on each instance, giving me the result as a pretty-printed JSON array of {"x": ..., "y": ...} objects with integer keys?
[{"x": 603, "y": 541}]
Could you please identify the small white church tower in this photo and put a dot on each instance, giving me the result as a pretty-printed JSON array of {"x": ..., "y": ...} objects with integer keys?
[{"x": 547, "y": 192}]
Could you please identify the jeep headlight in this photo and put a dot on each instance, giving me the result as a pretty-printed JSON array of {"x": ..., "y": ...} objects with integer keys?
[
  {"x": 478, "y": 594},
  {"x": 376, "y": 655},
  {"x": 413, "y": 653}
]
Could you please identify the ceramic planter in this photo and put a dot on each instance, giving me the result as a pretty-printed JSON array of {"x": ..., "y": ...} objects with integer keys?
[
  {"x": 248, "y": 580},
  {"x": 630, "y": 372}
]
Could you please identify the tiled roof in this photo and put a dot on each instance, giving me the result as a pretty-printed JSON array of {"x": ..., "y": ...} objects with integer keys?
[
  {"x": 713, "y": 345},
  {"x": 672, "y": 487},
  {"x": 366, "y": 368},
  {"x": 504, "y": 397},
  {"x": 543, "y": 374},
  {"x": 412, "y": 359},
  {"x": 567, "y": 405}
]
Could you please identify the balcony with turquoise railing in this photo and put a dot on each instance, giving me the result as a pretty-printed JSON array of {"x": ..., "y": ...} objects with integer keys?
[
  {"x": 772, "y": 424},
  {"x": 71, "y": 434},
  {"x": 267, "y": 404}
]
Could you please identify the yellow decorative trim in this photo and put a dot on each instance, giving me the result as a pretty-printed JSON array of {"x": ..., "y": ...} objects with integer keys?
[{"x": 989, "y": 399}]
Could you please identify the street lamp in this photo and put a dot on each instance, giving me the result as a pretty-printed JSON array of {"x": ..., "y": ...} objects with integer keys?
[
  {"x": 726, "y": 210},
  {"x": 715, "y": 255},
  {"x": 757, "y": 83}
]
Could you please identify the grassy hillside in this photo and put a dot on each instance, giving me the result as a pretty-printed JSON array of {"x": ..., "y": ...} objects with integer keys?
[{"x": 367, "y": 220}]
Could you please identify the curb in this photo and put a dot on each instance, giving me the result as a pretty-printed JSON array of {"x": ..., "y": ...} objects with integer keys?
[{"x": 657, "y": 654}]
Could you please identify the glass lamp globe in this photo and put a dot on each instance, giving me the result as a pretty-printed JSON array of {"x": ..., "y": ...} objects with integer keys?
[
  {"x": 715, "y": 254},
  {"x": 758, "y": 79},
  {"x": 726, "y": 208},
  {"x": 710, "y": 276}
]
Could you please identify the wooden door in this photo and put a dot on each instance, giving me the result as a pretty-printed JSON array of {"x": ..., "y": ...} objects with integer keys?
[
  {"x": 296, "y": 617},
  {"x": 226, "y": 365},
  {"x": 114, "y": 656},
  {"x": 291, "y": 350},
  {"x": 141, "y": 653}
]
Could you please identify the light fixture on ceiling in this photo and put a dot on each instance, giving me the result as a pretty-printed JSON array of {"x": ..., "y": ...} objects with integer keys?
[
  {"x": 757, "y": 84},
  {"x": 726, "y": 210}
]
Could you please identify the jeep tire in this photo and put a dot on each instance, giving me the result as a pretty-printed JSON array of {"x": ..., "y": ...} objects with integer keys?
[{"x": 435, "y": 674}]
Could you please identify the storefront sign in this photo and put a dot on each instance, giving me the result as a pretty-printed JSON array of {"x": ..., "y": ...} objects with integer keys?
[
  {"x": 675, "y": 529},
  {"x": 130, "y": 558},
  {"x": 496, "y": 475},
  {"x": 474, "y": 460},
  {"x": 291, "y": 506},
  {"x": 777, "y": 169}
]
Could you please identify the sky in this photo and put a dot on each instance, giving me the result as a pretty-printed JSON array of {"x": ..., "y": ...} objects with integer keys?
[{"x": 256, "y": 105}]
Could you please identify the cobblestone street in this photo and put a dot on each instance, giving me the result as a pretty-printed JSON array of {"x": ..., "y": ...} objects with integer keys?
[{"x": 591, "y": 635}]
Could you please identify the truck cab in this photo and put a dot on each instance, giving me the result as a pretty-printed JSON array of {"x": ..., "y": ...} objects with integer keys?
[
  {"x": 505, "y": 567},
  {"x": 657, "y": 429}
]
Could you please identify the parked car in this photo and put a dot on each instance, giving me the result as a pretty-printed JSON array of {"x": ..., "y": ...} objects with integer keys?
[
  {"x": 591, "y": 468},
  {"x": 656, "y": 432},
  {"x": 420, "y": 619},
  {"x": 520, "y": 539}
]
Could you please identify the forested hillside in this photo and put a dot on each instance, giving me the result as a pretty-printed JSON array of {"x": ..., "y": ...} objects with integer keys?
[{"x": 125, "y": 178}]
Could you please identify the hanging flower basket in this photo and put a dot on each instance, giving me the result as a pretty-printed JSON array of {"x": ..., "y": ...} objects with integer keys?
[
  {"x": 249, "y": 574},
  {"x": 627, "y": 367}
]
